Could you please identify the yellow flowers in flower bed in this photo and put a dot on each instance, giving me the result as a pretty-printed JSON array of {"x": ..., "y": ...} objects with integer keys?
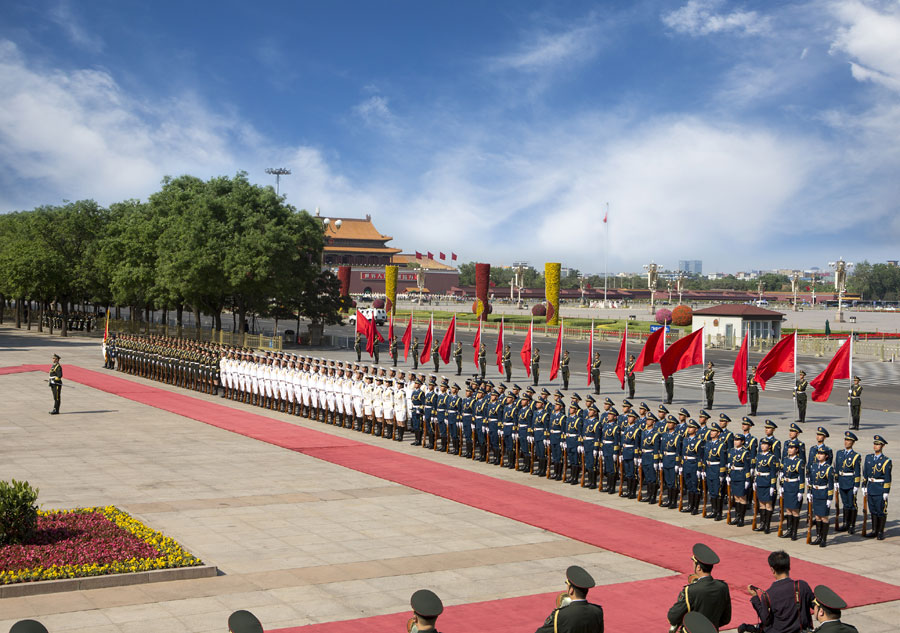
[
  {"x": 90, "y": 542},
  {"x": 551, "y": 291}
]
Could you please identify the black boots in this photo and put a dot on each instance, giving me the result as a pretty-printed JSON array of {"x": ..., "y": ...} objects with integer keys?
[
  {"x": 877, "y": 528},
  {"x": 851, "y": 521}
]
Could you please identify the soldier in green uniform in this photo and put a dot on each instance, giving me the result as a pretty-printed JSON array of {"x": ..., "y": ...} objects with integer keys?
[
  {"x": 828, "y": 606},
  {"x": 536, "y": 365},
  {"x": 33, "y": 626},
  {"x": 244, "y": 622},
  {"x": 55, "y": 381},
  {"x": 393, "y": 350},
  {"x": 507, "y": 363},
  {"x": 436, "y": 356},
  {"x": 704, "y": 593},
  {"x": 415, "y": 352},
  {"x": 577, "y": 614},
  {"x": 375, "y": 351},
  {"x": 709, "y": 383},
  {"x": 800, "y": 396},
  {"x": 629, "y": 375},
  {"x": 482, "y": 359},
  {"x": 457, "y": 356},
  {"x": 855, "y": 399},
  {"x": 753, "y": 391},
  {"x": 564, "y": 368},
  {"x": 426, "y": 608},
  {"x": 595, "y": 373}
]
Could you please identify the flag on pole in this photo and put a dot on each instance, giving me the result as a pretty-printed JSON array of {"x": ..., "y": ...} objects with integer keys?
[
  {"x": 106, "y": 332},
  {"x": 477, "y": 344},
  {"x": 623, "y": 358},
  {"x": 446, "y": 346},
  {"x": 525, "y": 354},
  {"x": 418, "y": 255},
  {"x": 442, "y": 256},
  {"x": 500, "y": 347},
  {"x": 590, "y": 354},
  {"x": 779, "y": 359},
  {"x": 838, "y": 368},
  {"x": 365, "y": 327},
  {"x": 653, "y": 350},
  {"x": 430, "y": 255},
  {"x": 453, "y": 257},
  {"x": 606, "y": 215},
  {"x": 557, "y": 353},
  {"x": 739, "y": 373},
  {"x": 683, "y": 353},
  {"x": 391, "y": 328},
  {"x": 407, "y": 337},
  {"x": 426, "y": 344}
]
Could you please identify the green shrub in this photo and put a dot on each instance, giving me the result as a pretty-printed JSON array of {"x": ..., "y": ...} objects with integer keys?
[{"x": 18, "y": 511}]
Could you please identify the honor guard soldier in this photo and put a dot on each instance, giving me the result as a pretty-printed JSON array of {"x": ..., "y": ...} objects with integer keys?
[
  {"x": 595, "y": 373},
  {"x": 670, "y": 452},
  {"x": 590, "y": 444},
  {"x": 855, "y": 399},
  {"x": 821, "y": 436},
  {"x": 376, "y": 349},
  {"x": 828, "y": 606},
  {"x": 740, "y": 465},
  {"x": 426, "y": 608},
  {"x": 753, "y": 391},
  {"x": 848, "y": 468},
  {"x": 482, "y": 359},
  {"x": 536, "y": 365},
  {"x": 693, "y": 447},
  {"x": 357, "y": 347},
  {"x": 507, "y": 363},
  {"x": 415, "y": 352},
  {"x": 792, "y": 481},
  {"x": 436, "y": 356},
  {"x": 801, "y": 396},
  {"x": 793, "y": 432},
  {"x": 821, "y": 493},
  {"x": 576, "y": 615},
  {"x": 454, "y": 421},
  {"x": 609, "y": 446},
  {"x": 467, "y": 409},
  {"x": 715, "y": 465},
  {"x": 629, "y": 375},
  {"x": 704, "y": 594},
  {"x": 765, "y": 484},
  {"x": 631, "y": 437},
  {"x": 769, "y": 432},
  {"x": 393, "y": 350},
  {"x": 669, "y": 385},
  {"x": 56, "y": 384},
  {"x": 573, "y": 440},
  {"x": 709, "y": 383},
  {"x": 524, "y": 430},
  {"x": 877, "y": 485},
  {"x": 540, "y": 424},
  {"x": 244, "y": 622},
  {"x": 557, "y": 427},
  {"x": 30, "y": 626},
  {"x": 650, "y": 457},
  {"x": 564, "y": 368},
  {"x": 750, "y": 442},
  {"x": 457, "y": 356}
]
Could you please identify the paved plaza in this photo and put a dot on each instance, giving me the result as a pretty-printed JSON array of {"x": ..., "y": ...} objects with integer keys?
[{"x": 299, "y": 540}]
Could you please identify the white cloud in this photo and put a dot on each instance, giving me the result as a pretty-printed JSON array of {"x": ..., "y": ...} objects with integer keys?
[
  {"x": 871, "y": 39},
  {"x": 701, "y": 17},
  {"x": 543, "y": 50},
  {"x": 63, "y": 16}
]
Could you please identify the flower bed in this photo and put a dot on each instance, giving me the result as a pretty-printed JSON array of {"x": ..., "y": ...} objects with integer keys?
[{"x": 89, "y": 542}]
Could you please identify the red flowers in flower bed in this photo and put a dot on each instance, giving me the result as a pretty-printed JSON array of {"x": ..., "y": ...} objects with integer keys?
[{"x": 75, "y": 539}]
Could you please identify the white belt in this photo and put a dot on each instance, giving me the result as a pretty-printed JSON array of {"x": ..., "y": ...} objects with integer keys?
[
  {"x": 876, "y": 481},
  {"x": 736, "y": 467},
  {"x": 608, "y": 442},
  {"x": 668, "y": 453},
  {"x": 628, "y": 446},
  {"x": 851, "y": 473},
  {"x": 713, "y": 463},
  {"x": 691, "y": 458},
  {"x": 792, "y": 480},
  {"x": 820, "y": 487}
]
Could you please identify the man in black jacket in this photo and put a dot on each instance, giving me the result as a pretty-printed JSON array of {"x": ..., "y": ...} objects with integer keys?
[
  {"x": 578, "y": 614},
  {"x": 705, "y": 594},
  {"x": 786, "y": 606}
]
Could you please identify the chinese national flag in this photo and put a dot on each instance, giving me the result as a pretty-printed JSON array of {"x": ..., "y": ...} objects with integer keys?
[
  {"x": 418, "y": 255},
  {"x": 391, "y": 329},
  {"x": 739, "y": 373},
  {"x": 557, "y": 355},
  {"x": 500, "y": 347},
  {"x": 430, "y": 255},
  {"x": 442, "y": 256},
  {"x": 525, "y": 354},
  {"x": 453, "y": 257},
  {"x": 653, "y": 349},
  {"x": 623, "y": 358},
  {"x": 426, "y": 344},
  {"x": 407, "y": 338},
  {"x": 683, "y": 353},
  {"x": 446, "y": 345},
  {"x": 477, "y": 344},
  {"x": 781, "y": 358},
  {"x": 365, "y": 327},
  {"x": 838, "y": 368},
  {"x": 590, "y": 354}
]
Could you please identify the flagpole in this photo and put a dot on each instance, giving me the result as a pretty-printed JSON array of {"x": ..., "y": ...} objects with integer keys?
[
  {"x": 664, "y": 351},
  {"x": 559, "y": 356},
  {"x": 605, "y": 259},
  {"x": 702, "y": 367},
  {"x": 747, "y": 370},
  {"x": 849, "y": 410},
  {"x": 796, "y": 404}
]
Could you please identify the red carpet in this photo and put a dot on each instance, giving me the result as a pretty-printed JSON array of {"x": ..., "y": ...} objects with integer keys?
[{"x": 641, "y": 538}]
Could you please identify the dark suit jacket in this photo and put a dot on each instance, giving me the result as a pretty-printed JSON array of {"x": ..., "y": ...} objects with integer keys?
[
  {"x": 579, "y": 616},
  {"x": 709, "y": 596}
]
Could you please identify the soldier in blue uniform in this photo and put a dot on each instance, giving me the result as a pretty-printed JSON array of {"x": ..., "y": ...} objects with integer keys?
[
  {"x": 650, "y": 457},
  {"x": 821, "y": 493},
  {"x": 661, "y": 413},
  {"x": 540, "y": 420},
  {"x": 793, "y": 432},
  {"x": 441, "y": 418},
  {"x": 740, "y": 465},
  {"x": 765, "y": 483},
  {"x": 479, "y": 415},
  {"x": 715, "y": 465},
  {"x": 505, "y": 420},
  {"x": 793, "y": 486},
  {"x": 524, "y": 431},
  {"x": 774, "y": 443},
  {"x": 609, "y": 445},
  {"x": 670, "y": 452},
  {"x": 750, "y": 442},
  {"x": 573, "y": 441},
  {"x": 703, "y": 418},
  {"x": 848, "y": 468},
  {"x": 724, "y": 434},
  {"x": 692, "y": 452},
  {"x": 683, "y": 416},
  {"x": 415, "y": 416},
  {"x": 821, "y": 436},
  {"x": 623, "y": 417},
  {"x": 631, "y": 437},
  {"x": 510, "y": 418},
  {"x": 877, "y": 484},
  {"x": 430, "y": 408},
  {"x": 494, "y": 417},
  {"x": 454, "y": 404},
  {"x": 590, "y": 443},
  {"x": 557, "y": 427}
]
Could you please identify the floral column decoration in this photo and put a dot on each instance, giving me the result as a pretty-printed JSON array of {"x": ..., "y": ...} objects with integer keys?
[
  {"x": 343, "y": 275},
  {"x": 481, "y": 307},
  {"x": 551, "y": 291},
  {"x": 390, "y": 288}
]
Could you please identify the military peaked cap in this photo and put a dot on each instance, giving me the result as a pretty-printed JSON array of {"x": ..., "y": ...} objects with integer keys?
[
  {"x": 703, "y": 554},
  {"x": 426, "y": 603},
  {"x": 578, "y": 577},
  {"x": 244, "y": 622}
]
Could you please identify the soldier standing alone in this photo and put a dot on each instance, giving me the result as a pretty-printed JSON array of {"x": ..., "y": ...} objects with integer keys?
[
  {"x": 564, "y": 367},
  {"x": 536, "y": 365},
  {"x": 507, "y": 363},
  {"x": 357, "y": 346},
  {"x": 855, "y": 400},
  {"x": 753, "y": 391},
  {"x": 709, "y": 383},
  {"x": 457, "y": 355},
  {"x": 415, "y": 352},
  {"x": 55, "y": 381},
  {"x": 800, "y": 396},
  {"x": 629, "y": 375},
  {"x": 482, "y": 359},
  {"x": 595, "y": 373}
]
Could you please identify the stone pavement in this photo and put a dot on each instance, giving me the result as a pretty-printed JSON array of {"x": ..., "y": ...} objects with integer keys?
[{"x": 300, "y": 540}]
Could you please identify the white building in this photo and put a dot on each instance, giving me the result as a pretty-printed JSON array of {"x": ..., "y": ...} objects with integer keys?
[{"x": 726, "y": 325}]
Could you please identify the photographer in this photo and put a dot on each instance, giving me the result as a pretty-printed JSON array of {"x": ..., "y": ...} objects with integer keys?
[{"x": 786, "y": 606}]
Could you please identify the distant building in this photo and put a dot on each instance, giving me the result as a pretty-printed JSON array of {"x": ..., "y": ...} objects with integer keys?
[
  {"x": 728, "y": 323},
  {"x": 715, "y": 276},
  {"x": 356, "y": 242},
  {"x": 691, "y": 266}
]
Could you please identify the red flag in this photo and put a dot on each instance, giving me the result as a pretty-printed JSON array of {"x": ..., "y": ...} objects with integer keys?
[
  {"x": 684, "y": 352},
  {"x": 525, "y": 354},
  {"x": 838, "y": 368},
  {"x": 407, "y": 338},
  {"x": 781, "y": 358},
  {"x": 477, "y": 344},
  {"x": 430, "y": 255},
  {"x": 739, "y": 373},
  {"x": 590, "y": 354},
  {"x": 500, "y": 347},
  {"x": 622, "y": 359},
  {"x": 426, "y": 344},
  {"x": 557, "y": 355},
  {"x": 446, "y": 345},
  {"x": 653, "y": 349},
  {"x": 391, "y": 329},
  {"x": 365, "y": 327},
  {"x": 418, "y": 255},
  {"x": 453, "y": 257},
  {"x": 442, "y": 256}
]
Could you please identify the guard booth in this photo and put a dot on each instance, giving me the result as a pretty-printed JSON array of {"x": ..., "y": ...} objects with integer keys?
[{"x": 727, "y": 324}]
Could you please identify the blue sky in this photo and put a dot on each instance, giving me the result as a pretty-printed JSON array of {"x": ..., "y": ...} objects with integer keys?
[{"x": 746, "y": 134}]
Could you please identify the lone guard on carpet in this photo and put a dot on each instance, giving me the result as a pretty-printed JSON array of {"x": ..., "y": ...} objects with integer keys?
[
  {"x": 703, "y": 593},
  {"x": 507, "y": 363},
  {"x": 877, "y": 486},
  {"x": 29, "y": 626},
  {"x": 426, "y": 608},
  {"x": 564, "y": 368},
  {"x": 55, "y": 381},
  {"x": 669, "y": 384},
  {"x": 457, "y": 356},
  {"x": 595, "y": 373},
  {"x": 786, "y": 605},
  {"x": 482, "y": 360},
  {"x": 828, "y": 607},
  {"x": 855, "y": 400},
  {"x": 376, "y": 349},
  {"x": 801, "y": 396},
  {"x": 415, "y": 352},
  {"x": 848, "y": 470},
  {"x": 574, "y": 613},
  {"x": 393, "y": 350},
  {"x": 536, "y": 365},
  {"x": 629, "y": 375},
  {"x": 753, "y": 391},
  {"x": 244, "y": 622},
  {"x": 709, "y": 383},
  {"x": 357, "y": 347},
  {"x": 436, "y": 357}
]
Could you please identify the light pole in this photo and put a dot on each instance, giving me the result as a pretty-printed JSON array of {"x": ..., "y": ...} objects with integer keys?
[
  {"x": 278, "y": 172},
  {"x": 795, "y": 281},
  {"x": 669, "y": 288},
  {"x": 581, "y": 285},
  {"x": 652, "y": 277},
  {"x": 327, "y": 225},
  {"x": 680, "y": 282},
  {"x": 759, "y": 287},
  {"x": 840, "y": 268}
]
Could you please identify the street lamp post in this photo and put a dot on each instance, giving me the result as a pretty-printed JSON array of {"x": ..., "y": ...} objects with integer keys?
[
  {"x": 840, "y": 268},
  {"x": 652, "y": 277},
  {"x": 328, "y": 226},
  {"x": 278, "y": 172},
  {"x": 680, "y": 282},
  {"x": 795, "y": 281},
  {"x": 759, "y": 287}
]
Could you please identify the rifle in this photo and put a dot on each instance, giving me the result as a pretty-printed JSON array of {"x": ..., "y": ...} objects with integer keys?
[
  {"x": 755, "y": 509},
  {"x": 704, "y": 497},
  {"x": 809, "y": 522},
  {"x": 640, "y": 479},
  {"x": 582, "y": 467},
  {"x": 780, "y": 514},
  {"x": 681, "y": 489},
  {"x": 473, "y": 438},
  {"x": 837, "y": 511},
  {"x": 565, "y": 461},
  {"x": 500, "y": 442},
  {"x": 728, "y": 514},
  {"x": 515, "y": 443},
  {"x": 547, "y": 454},
  {"x": 600, "y": 466},
  {"x": 659, "y": 478},
  {"x": 621, "y": 473},
  {"x": 865, "y": 513}
]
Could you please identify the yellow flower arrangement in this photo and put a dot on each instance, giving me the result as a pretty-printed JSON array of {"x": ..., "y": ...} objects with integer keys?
[{"x": 551, "y": 291}]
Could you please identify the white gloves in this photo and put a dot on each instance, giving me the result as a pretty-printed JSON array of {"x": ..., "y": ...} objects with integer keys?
[
  {"x": 728, "y": 479},
  {"x": 828, "y": 504},
  {"x": 855, "y": 491},
  {"x": 546, "y": 442},
  {"x": 581, "y": 449},
  {"x": 809, "y": 498},
  {"x": 780, "y": 490},
  {"x": 885, "y": 497},
  {"x": 702, "y": 474},
  {"x": 837, "y": 489},
  {"x": 678, "y": 470},
  {"x": 799, "y": 497},
  {"x": 530, "y": 439},
  {"x": 596, "y": 454},
  {"x": 754, "y": 485}
]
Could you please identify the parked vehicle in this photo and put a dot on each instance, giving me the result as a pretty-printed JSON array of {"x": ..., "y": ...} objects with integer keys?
[{"x": 378, "y": 314}]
